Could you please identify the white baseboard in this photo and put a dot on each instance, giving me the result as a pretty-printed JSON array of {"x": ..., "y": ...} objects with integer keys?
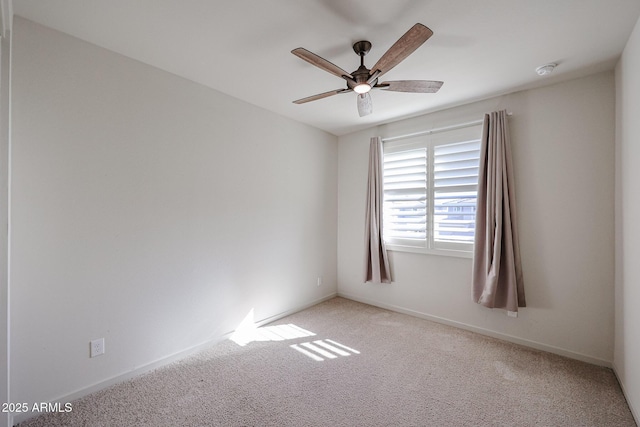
[
  {"x": 505, "y": 337},
  {"x": 295, "y": 310},
  {"x": 634, "y": 412},
  {"x": 17, "y": 418}
]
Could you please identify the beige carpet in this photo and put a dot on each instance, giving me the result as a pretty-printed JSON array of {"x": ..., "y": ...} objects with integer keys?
[{"x": 363, "y": 366}]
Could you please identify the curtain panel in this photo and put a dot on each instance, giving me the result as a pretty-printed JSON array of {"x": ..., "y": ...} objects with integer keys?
[
  {"x": 497, "y": 271},
  {"x": 376, "y": 260}
]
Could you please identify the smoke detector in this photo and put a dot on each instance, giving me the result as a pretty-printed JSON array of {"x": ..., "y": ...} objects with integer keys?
[{"x": 546, "y": 69}]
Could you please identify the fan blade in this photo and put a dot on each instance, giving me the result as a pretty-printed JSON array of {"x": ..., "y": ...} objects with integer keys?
[
  {"x": 321, "y": 95},
  {"x": 320, "y": 62},
  {"x": 373, "y": 77},
  {"x": 410, "y": 41},
  {"x": 365, "y": 106},
  {"x": 417, "y": 86}
]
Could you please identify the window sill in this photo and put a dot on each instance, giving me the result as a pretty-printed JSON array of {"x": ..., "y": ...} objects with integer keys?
[{"x": 439, "y": 252}]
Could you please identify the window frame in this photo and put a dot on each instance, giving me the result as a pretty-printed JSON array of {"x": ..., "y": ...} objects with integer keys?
[{"x": 429, "y": 141}]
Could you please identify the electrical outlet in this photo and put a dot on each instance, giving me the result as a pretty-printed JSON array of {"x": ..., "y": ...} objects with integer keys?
[
  {"x": 97, "y": 347},
  {"x": 319, "y": 280}
]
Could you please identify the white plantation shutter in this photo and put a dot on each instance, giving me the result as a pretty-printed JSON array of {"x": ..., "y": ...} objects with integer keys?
[
  {"x": 405, "y": 195},
  {"x": 455, "y": 188},
  {"x": 430, "y": 190}
]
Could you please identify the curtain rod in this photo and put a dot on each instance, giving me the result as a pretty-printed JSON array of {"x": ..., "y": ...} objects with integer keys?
[{"x": 437, "y": 130}]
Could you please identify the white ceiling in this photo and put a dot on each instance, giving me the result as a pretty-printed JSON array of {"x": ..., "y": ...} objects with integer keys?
[{"x": 242, "y": 47}]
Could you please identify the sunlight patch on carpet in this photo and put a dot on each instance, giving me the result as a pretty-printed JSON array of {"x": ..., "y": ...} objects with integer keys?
[
  {"x": 247, "y": 332},
  {"x": 320, "y": 350}
]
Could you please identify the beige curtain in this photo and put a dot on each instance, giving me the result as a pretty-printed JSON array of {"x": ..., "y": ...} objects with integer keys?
[
  {"x": 376, "y": 260},
  {"x": 497, "y": 271}
]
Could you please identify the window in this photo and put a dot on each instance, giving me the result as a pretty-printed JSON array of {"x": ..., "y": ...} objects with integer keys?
[{"x": 430, "y": 190}]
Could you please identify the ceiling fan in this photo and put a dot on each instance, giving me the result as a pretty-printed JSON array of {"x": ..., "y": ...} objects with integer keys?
[{"x": 364, "y": 79}]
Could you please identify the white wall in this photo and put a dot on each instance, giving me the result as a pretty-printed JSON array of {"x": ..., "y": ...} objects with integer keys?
[
  {"x": 5, "y": 84},
  {"x": 563, "y": 152},
  {"x": 627, "y": 294},
  {"x": 151, "y": 211}
]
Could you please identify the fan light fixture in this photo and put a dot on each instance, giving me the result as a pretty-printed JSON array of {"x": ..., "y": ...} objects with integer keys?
[{"x": 362, "y": 88}]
